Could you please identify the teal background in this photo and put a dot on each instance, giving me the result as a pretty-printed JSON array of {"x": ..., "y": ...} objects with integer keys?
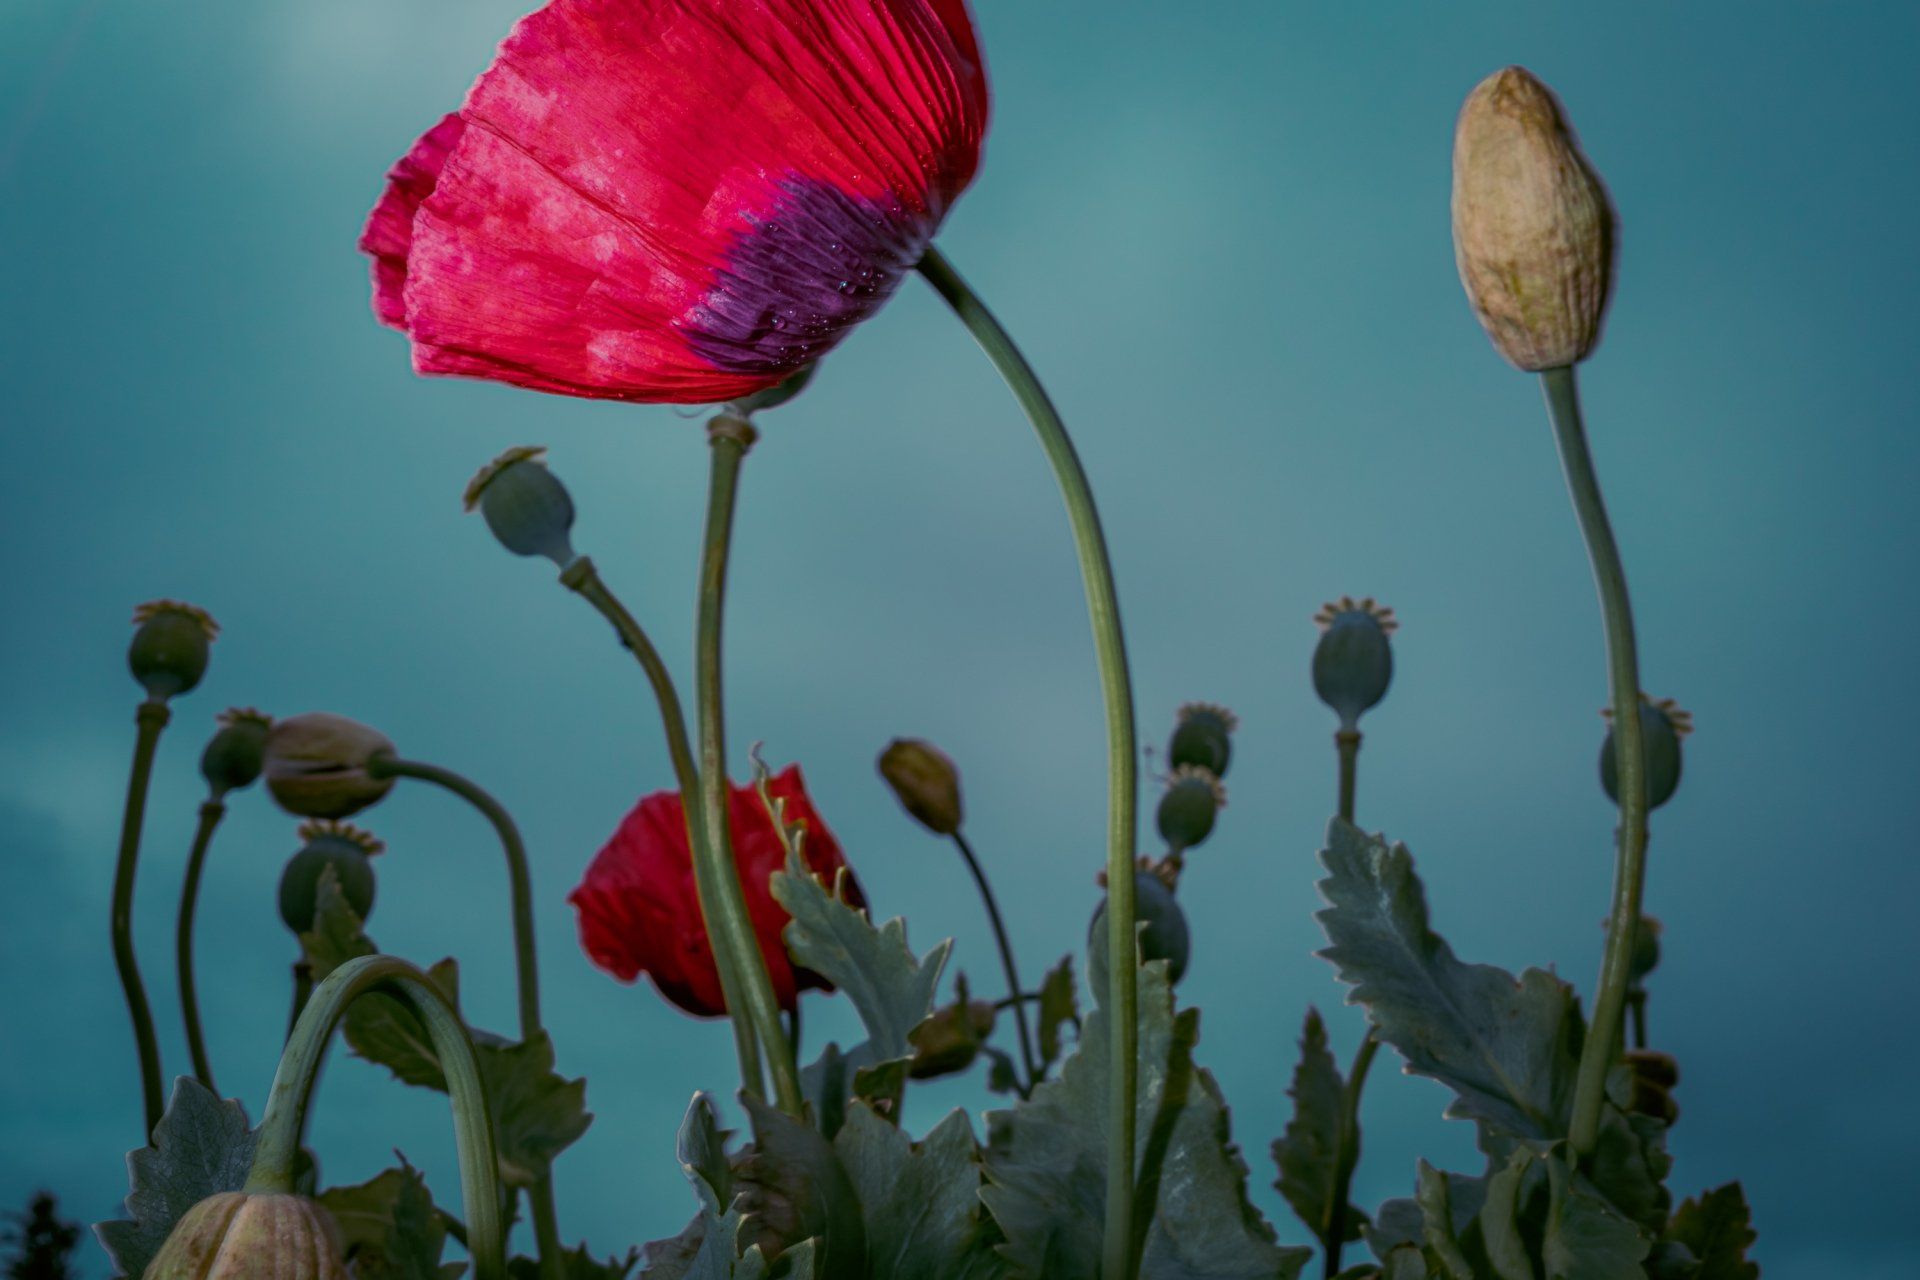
[{"x": 1221, "y": 232}]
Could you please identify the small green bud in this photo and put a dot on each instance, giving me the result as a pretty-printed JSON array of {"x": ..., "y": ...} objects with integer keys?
[
  {"x": 237, "y": 751},
  {"x": 1203, "y": 737},
  {"x": 316, "y": 765},
  {"x": 171, "y": 644},
  {"x": 1532, "y": 226},
  {"x": 926, "y": 782},
  {"x": 1165, "y": 936},
  {"x": 525, "y": 505},
  {"x": 1187, "y": 809},
  {"x": 1353, "y": 663},
  {"x": 950, "y": 1038},
  {"x": 237, "y": 1235},
  {"x": 1662, "y": 725},
  {"x": 348, "y": 850}
]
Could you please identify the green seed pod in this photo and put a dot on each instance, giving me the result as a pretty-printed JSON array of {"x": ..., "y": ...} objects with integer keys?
[
  {"x": 346, "y": 849},
  {"x": 1165, "y": 937},
  {"x": 237, "y": 752},
  {"x": 525, "y": 505},
  {"x": 1353, "y": 663},
  {"x": 1662, "y": 725},
  {"x": 950, "y": 1038},
  {"x": 316, "y": 765},
  {"x": 926, "y": 782},
  {"x": 1203, "y": 737},
  {"x": 171, "y": 644},
  {"x": 1187, "y": 810},
  {"x": 237, "y": 1235},
  {"x": 1532, "y": 226}
]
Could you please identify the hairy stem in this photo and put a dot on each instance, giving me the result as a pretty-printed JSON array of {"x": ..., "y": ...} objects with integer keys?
[
  {"x": 1623, "y": 676},
  {"x": 1103, "y": 607},
  {"x": 210, "y": 815}
]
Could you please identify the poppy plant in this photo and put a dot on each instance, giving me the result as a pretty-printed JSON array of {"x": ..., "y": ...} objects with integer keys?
[
  {"x": 678, "y": 200},
  {"x": 638, "y": 908}
]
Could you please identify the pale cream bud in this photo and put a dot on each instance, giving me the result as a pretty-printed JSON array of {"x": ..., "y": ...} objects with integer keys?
[{"x": 316, "y": 765}]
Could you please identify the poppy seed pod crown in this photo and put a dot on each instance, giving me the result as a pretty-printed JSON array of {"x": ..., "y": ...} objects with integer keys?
[
  {"x": 1662, "y": 726},
  {"x": 1353, "y": 662},
  {"x": 316, "y": 765},
  {"x": 1532, "y": 226},
  {"x": 237, "y": 751},
  {"x": 1203, "y": 738},
  {"x": 1193, "y": 799},
  {"x": 339, "y": 847},
  {"x": 171, "y": 644},
  {"x": 237, "y": 1235},
  {"x": 524, "y": 504}
]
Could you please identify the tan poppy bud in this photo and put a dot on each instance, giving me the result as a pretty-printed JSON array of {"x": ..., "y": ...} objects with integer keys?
[
  {"x": 926, "y": 782},
  {"x": 316, "y": 765},
  {"x": 1532, "y": 225},
  {"x": 240, "y": 1236}
]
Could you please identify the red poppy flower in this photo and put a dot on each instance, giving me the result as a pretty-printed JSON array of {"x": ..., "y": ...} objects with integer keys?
[
  {"x": 678, "y": 200},
  {"x": 639, "y": 913}
]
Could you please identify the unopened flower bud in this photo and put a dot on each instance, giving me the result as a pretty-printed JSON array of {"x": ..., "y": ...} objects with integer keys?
[
  {"x": 1187, "y": 810},
  {"x": 1662, "y": 725},
  {"x": 950, "y": 1039},
  {"x": 316, "y": 765},
  {"x": 1532, "y": 227},
  {"x": 525, "y": 505},
  {"x": 237, "y": 751},
  {"x": 1165, "y": 936},
  {"x": 926, "y": 782},
  {"x": 1655, "y": 1076},
  {"x": 1353, "y": 663},
  {"x": 348, "y": 851},
  {"x": 1203, "y": 737},
  {"x": 237, "y": 1235},
  {"x": 170, "y": 647}
]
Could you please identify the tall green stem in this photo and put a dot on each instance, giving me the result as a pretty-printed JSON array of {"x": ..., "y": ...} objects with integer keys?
[
  {"x": 1006, "y": 958},
  {"x": 1347, "y": 1158},
  {"x": 546, "y": 1227},
  {"x": 151, "y": 718},
  {"x": 1096, "y": 569},
  {"x": 581, "y": 577},
  {"x": 1348, "y": 743},
  {"x": 210, "y": 815},
  {"x": 276, "y": 1157},
  {"x": 730, "y": 438},
  {"x": 1602, "y": 1046}
]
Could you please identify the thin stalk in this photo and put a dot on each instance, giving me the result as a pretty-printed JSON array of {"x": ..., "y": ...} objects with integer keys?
[
  {"x": 1006, "y": 957},
  {"x": 582, "y": 578},
  {"x": 302, "y": 992},
  {"x": 210, "y": 814},
  {"x": 276, "y": 1157},
  {"x": 546, "y": 1227},
  {"x": 730, "y": 438},
  {"x": 1348, "y": 743},
  {"x": 1623, "y": 675},
  {"x": 1347, "y": 1158},
  {"x": 1637, "y": 1006},
  {"x": 1103, "y": 607},
  {"x": 151, "y": 718}
]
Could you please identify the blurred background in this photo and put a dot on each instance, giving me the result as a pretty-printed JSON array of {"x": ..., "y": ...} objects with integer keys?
[{"x": 1221, "y": 233}]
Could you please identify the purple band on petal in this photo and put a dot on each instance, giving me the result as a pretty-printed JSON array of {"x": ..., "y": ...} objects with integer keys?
[{"x": 816, "y": 263}]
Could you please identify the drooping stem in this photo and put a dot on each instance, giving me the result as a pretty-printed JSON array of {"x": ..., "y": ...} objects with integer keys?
[
  {"x": 1006, "y": 957},
  {"x": 581, "y": 577},
  {"x": 151, "y": 718},
  {"x": 1623, "y": 674},
  {"x": 1347, "y": 1158},
  {"x": 276, "y": 1156},
  {"x": 730, "y": 438},
  {"x": 210, "y": 815},
  {"x": 1096, "y": 570},
  {"x": 520, "y": 890},
  {"x": 1348, "y": 743}
]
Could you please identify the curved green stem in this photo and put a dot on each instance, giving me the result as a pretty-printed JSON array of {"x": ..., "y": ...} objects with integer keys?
[
  {"x": 546, "y": 1228},
  {"x": 1103, "y": 606},
  {"x": 1006, "y": 958},
  {"x": 1602, "y": 1046},
  {"x": 278, "y": 1151},
  {"x": 210, "y": 815},
  {"x": 1348, "y": 743},
  {"x": 582, "y": 578},
  {"x": 1347, "y": 1158},
  {"x": 730, "y": 438},
  {"x": 151, "y": 718}
]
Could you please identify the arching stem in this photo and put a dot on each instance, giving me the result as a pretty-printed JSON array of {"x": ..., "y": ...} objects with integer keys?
[
  {"x": 210, "y": 814},
  {"x": 1006, "y": 958}
]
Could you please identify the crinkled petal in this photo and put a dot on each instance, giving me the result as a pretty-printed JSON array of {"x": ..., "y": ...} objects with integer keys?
[{"x": 388, "y": 236}]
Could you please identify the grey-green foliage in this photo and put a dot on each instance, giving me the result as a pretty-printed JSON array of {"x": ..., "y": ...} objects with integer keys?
[
  {"x": 919, "y": 1202},
  {"x": 537, "y": 1113},
  {"x": 1508, "y": 1049},
  {"x": 390, "y": 1228},
  {"x": 1715, "y": 1230},
  {"x": 1046, "y": 1162},
  {"x": 201, "y": 1147},
  {"x": 710, "y": 1247},
  {"x": 1308, "y": 1153}
]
